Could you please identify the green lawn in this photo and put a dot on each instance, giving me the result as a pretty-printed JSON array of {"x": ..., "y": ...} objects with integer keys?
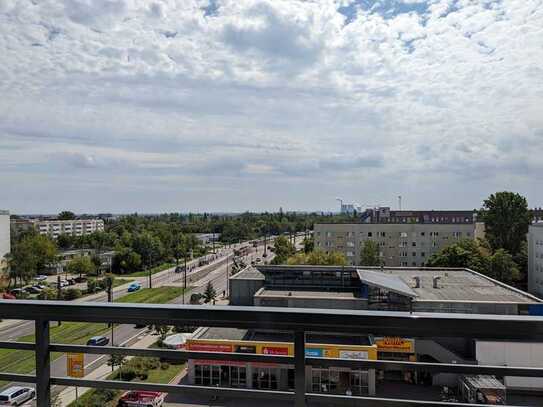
[
  {"x": 160, "y": 295},
  {"x": 154, "y": 270}
]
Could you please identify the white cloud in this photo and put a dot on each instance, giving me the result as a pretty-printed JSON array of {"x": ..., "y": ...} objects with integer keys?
[{"x": 249, "y": 91}]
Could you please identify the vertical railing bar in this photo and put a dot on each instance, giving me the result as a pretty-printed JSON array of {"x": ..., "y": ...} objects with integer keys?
[
  {"x": 299, "y": 368},
  {"x": 43, "y": 364}
]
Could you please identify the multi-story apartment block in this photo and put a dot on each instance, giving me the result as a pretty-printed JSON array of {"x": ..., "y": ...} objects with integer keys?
[
  {"x": 400, "y": 244},
  {"x": 535, "y": 259},
  {"x": 55, "y": 228},
  {"x": 4, "y": 238},
  {"x": 385, "y": 215}
]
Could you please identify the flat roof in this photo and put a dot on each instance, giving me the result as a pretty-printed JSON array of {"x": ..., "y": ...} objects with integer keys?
[
  {"x": 460, "y": 285},
  {"x": 234, "y": 334},
  {"x": 335, "y": 295}
]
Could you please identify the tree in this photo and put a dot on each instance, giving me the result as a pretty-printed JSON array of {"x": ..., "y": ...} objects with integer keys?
[
  {"x": 506, "y": 217},
  {"x": 65, "y": 241},
  {"x": 283, "y": 250},
  {"x": 309, "y": 244},
  {"x": 116, "y": 360},
  {"x": 465, "y": 253},
  {"x": 81, "y": 265},
  {"x": 160, "y": 330},
  {"x": 369, "y": 255},
  {"x": 319, "y": 258},
  {"x": 209, "y": 294},
  {"x": 503, "y": 268},
  {"x": 66, "y": 215},
  {"x": 31, "y": 255},
  {"x": 126, "y": 261}
]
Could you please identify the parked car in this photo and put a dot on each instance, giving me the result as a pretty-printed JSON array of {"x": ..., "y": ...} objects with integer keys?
[
  {"x": 16, "y": 395},
  {"x": 71, "y": 281},
  {"x": 33, "y": 290},
  {"x": 135, "y": 286},
  {"x": 17, "y": 291},
  {"x": 63, "y": 283},
  {"x": 142, "y": 399},
  {"x": 80, "y": 279},
  {"x": 41, "y": 277},
  {"x": 98, "y": 341}
]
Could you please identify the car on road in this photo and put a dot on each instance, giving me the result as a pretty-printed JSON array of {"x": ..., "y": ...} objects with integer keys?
[
  {"x": 135, "y": 286},
  {"x": 17, "y": 292},
  {"x": 41, "y": 277},
  {"x": 98, "y": 341},
  {"x": 8, "y": 296},
  {"x": 16, "y": 395}
]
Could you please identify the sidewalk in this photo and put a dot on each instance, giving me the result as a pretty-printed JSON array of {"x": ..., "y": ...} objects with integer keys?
[{"x": 68, "y": 395}]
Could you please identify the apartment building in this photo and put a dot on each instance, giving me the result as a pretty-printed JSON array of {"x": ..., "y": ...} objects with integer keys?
[
  {"x": 4, "y": 238},
  {"x": 535, "y": 259},
  {"x": 400, "y": 244},
  {"x": 55, "y": 228}
]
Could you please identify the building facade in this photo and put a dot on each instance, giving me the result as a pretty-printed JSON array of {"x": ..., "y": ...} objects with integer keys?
[
  {"x": 535, "y": 259},
  {"x": 5, "y": 247},
  {"x": 55, "y": 228},
  {"x": 400, "y": 244}
]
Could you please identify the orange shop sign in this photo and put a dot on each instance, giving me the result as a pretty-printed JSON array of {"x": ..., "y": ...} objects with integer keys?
[
  {"x": 275, "y": 350},
  {"x": 209, "y": 347},
  {"x": 394, "y": 344}
]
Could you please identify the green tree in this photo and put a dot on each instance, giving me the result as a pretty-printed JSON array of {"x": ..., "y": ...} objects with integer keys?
[
  {"x": 309, "y": 244},
  {"x": 209, "y": 294},
  {"x": 283, "y": 249},
  {"x": 369, "y": 255},
  {"x": 503, "y": 268},
  {"x": 318, "y": 258},
  {"x": 116, "y": 360},
  {"x": 506, "y": 217},
  {"x": 31, "y": 255},
  {"x": 65, "y": 241},
  {"x": 465, "y": 253},
  {"x": 81, "y": 265},
  {"x": 126, "y": 261},
  {"x": 66, "y": 215}
]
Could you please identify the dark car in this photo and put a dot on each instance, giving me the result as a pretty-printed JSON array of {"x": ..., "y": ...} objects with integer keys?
[{"x": 98, "y": 341}]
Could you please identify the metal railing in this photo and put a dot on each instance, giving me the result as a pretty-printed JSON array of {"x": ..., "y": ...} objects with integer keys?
[{"x": 298, "y": 321}]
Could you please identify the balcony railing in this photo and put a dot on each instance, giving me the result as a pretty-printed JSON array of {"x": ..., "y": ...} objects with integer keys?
[{"x": 298, "y": 321}]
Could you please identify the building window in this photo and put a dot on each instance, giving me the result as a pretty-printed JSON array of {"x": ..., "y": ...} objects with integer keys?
[
  {"x": 414, "y": 254},
  {"x": 414, "y": 264},
  {"x": 370, "y": 234},
  {"x": 382, "y": 234},
  {"x": 422, "y": 254},
  {"x": 422, "y": 233},
  {"x": 403, "y": 244},
  {"x": 414, "y": 244},
  {"x": 404, "y": 264}
]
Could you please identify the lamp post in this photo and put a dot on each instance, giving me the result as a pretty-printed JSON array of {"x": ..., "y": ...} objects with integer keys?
[{"x": 185, "y": 277}]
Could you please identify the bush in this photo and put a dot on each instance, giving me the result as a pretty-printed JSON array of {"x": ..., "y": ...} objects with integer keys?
[
  {"x": 71, "y": 294},
  {"x": 164, "y": 365},
  {"x": 152, "y": 363},
  {"x": 92, "y": 285},
  {"x": 48, "y": 294}
]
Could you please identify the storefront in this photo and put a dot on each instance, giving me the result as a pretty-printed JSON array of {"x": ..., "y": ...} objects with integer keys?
[
  {"x": 273, "y": 376},
  {"x": 398, "y": 349}
]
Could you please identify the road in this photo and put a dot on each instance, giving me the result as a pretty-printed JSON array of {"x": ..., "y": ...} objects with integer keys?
[{"x": 124, "y": 335}]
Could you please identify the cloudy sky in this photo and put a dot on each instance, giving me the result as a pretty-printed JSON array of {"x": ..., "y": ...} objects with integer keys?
[{"x": 228, "y": 105}]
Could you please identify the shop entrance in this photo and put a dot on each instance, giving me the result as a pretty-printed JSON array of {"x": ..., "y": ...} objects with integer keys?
[
  {"x": 225, "y": 376},
  {"x": 265, "y": 378}
]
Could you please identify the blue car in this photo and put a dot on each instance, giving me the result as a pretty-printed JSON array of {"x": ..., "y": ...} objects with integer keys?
[{"x": 134, "y": 287}]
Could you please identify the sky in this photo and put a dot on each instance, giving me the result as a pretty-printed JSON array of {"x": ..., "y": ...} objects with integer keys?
[{"x": 233, "y": 105}]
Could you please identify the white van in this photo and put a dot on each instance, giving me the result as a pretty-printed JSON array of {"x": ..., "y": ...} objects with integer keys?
[{"x": 16, "y": 395}]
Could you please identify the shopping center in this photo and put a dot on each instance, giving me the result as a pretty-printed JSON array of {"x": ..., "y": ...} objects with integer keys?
[{"x": 274, "y": 376}]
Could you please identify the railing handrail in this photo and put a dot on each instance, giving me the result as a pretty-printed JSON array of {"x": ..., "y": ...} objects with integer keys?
[{"x": 419, "y": 324}]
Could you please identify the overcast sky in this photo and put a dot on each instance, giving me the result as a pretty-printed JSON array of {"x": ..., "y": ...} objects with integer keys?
[{"x": 230, "y": 105}]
